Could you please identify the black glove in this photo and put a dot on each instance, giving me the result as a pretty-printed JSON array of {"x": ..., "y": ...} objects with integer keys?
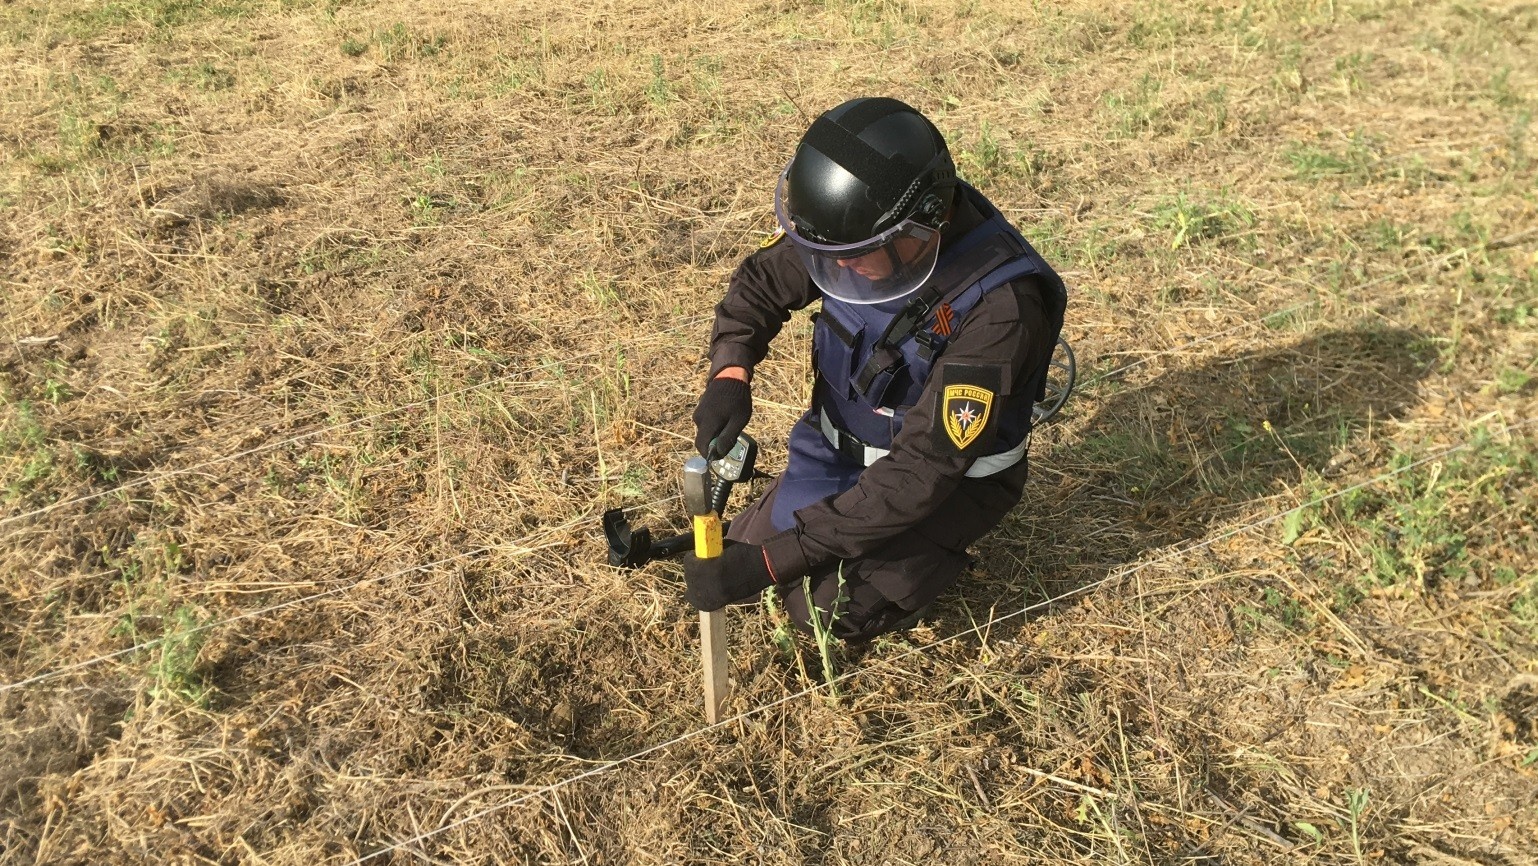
[
  {"x": 736, "y": 574},
  {"x": 724, "y": 410}
]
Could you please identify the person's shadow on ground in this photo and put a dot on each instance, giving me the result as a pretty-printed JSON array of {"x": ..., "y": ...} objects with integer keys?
[{"x": 1172, "y": 459}]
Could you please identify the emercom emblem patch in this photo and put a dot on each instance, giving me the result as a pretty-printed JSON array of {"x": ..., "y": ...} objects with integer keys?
[{"x": 967, "y": 397}]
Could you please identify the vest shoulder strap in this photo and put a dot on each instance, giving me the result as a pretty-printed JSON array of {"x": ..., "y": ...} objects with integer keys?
[{"x": 1000, "y": 248}]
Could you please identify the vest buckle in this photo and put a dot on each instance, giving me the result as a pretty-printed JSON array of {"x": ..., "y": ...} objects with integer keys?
[{"x": 930, "y": 345}]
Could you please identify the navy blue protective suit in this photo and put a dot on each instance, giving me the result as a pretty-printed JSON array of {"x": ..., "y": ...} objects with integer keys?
[{"x": 904, "y": 461}]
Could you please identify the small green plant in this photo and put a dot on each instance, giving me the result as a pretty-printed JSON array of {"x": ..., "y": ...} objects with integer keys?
[
  {"x": 1388, "y": 236},
  {"x": 1294, "y": 524},
  {"x": 657, "y": 90},
  {"x": 354, "y": 47},
  {"x": 1139, "y": 110},
  {"x": 1275, "y": 607},
  {"x": 1312, "y": 163},
  {"x": 1356, "y": 807},
  {"x": 1524, "y": 608},
  {"x": 984, "y": 158},
  {"x": 1215, "y": 110},
  {"x": 823, "y": 633},
  {"x": 600, "y": 95},
  {"x": 1519, "y": 126},
  {"x": 88, "y": 462},
  {"x": 784, "y": 635},
  {"x": 1500, "y": 89},
  {"x": 427, "y": 210},
  {"x": 1510, "y": 380},
  {"x": 514, "y": 73},
  {"x": 175, "y": 671},
  {"x": 1288, "y": 80},
  {"x": 399, "y": 43},
  {"x": 56, "y": 391},
  {"x": 25, "y": 440},
  {"x": 205, "y": 76},
  {"x": 1189, "y": 221},
  {"x": 1310, "y": 831},
  {"x": 1349, "y": 69}
]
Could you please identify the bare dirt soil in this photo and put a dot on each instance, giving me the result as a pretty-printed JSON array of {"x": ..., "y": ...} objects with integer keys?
[{"x": 331, "y": 328}]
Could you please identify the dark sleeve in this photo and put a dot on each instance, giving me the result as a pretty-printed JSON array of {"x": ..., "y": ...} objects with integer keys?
[
  {"x": 1008, "y": 331},
  {"x": 763, "y": 291}
]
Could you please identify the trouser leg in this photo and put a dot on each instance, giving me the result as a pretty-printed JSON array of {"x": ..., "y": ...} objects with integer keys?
[{"x": 850, "y": 609}]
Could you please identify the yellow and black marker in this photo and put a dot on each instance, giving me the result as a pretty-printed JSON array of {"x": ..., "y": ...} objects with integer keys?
[{"x": 707, "y": 545}]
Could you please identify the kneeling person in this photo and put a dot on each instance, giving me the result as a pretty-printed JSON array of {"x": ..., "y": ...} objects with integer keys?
[{"x": 932, "y": 345}]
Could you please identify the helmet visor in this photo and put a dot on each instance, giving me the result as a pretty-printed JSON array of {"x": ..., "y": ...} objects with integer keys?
[{"x": 883, "y": 268}]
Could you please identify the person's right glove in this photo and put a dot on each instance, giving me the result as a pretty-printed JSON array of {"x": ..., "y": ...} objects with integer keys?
[
  {"x": 740, "y": 571},
  {"x": 723, "y": 412}
]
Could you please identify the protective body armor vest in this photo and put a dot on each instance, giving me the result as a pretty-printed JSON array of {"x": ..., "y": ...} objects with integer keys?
[{"x": 869, "y": 400}]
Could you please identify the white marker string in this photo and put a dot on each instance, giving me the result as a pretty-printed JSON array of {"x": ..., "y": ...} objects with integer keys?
[
  {"x": 1461, "y": 252},
  {"x": 628, "y": 759},
  {"x": 259, "y": 449},
  {"x": 1208, "y": 338},
  {"x": 522, "y": 546}
]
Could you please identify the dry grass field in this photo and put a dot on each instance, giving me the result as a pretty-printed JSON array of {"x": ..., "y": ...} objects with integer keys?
[{"x": 328, "y": 329}]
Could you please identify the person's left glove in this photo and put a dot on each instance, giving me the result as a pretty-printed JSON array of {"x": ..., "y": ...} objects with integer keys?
[{"x": 740, "y": 571}]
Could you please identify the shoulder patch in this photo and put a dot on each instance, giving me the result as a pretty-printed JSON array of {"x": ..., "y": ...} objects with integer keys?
[
  {"x": 773, "y": 239},
  {"x": 968, "y": 397}
]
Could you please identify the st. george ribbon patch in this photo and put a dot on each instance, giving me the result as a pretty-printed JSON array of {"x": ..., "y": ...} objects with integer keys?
[{"x": 967, "y": 395}]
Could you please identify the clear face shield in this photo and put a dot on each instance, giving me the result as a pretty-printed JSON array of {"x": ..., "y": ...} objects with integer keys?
[{"x": 883, "y": 268}]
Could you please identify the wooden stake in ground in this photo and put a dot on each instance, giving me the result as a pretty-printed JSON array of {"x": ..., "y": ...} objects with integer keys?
[{"x": 707, "y": 545}]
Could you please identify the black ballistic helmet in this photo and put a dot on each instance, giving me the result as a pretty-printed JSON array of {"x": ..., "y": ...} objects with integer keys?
[
  {"x": 870, "y": 175},
  {"x": 865, "y": 166}
]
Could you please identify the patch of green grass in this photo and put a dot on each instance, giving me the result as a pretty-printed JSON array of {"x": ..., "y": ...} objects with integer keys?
[
  {"x": 1275, "y": 607},
  {"x": 882, "y": 22},
  {"x": 92, "y": 20},
  {"x": 1518, "y": 135},
  {"x": 395, "y": 43},
  {"x": 1524, "y": 607},
  {"x": 1385, "y": 235},
  {"x": 1510, "y": 380},
  {"x": 205, "y": 76},
  {"x": 29, "y": 460},
  {"x": 515, "y": 73},
  {"x": 175, "y": 673},
  {"x": 1287, "y": 82},
  {"x": 601, "y": 96},
  {"x": 1349, "y": 70},
  {"x": 93, "y": 464},
  {"x": 399, "y": 43},
  {"x": 1500, "y": 90},
  {"x": 1189, "y": 220},
  {"x": 144, "y": 571},
  {"x": 1138, "y": 110},
  {"x": 1209, "y": 115},
  {"x": 1361, "y": 161},
  {"x": 428, "y": 210},
  {"x": 1310, "y": 162},
  {"x": 1160, "y": 30},
  {"x": 658, "y": 92},
  {"x": 1139, "y": 463},
  {"x": 1440, "y": 522}
]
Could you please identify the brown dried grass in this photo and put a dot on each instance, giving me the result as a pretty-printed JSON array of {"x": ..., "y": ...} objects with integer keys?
[{"x": 358, "y": 315}]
